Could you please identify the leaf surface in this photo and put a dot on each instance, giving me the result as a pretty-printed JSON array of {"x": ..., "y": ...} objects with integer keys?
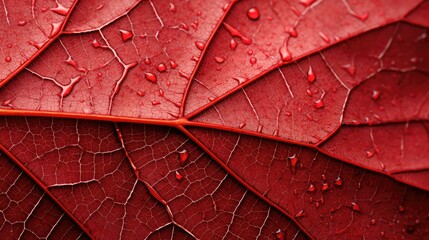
[{"x": 222, "y": 119}]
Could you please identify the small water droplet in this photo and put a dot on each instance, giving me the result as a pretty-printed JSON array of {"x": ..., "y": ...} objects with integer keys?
[
  {"x": 311, "y": 188},
  {"x": 259, "y": 129},
  {"x": 195, "y": 59},
  {"x": 178, "y": 176},
  {"x": 161, "y": 67},
  {"x": 300, "y": 214},
  {"x": 194, "y": 25},
  {"x": 325, "y": 186},
  {"x": 173, "y": 64},
  {"x": 219, "y": 59},
  {"x": 309, "y": 92},
  {"x": 350, "y": 69},
  {"x": 233, "y": 44},
  {"x": 160, "y": 93},
  {"x": 22, "y": 23},
  {"x": 241, "y": 125},
  {"x": 375, "y": 95},
  {"x": 293, "y": 32},
  {"x": 369, "y": 153},
  {"x": 150, "y": 77},
  {"x": 147, "y": 61},
  {"x": 95, "y": 43},
  {"x": 253, "y": 13},
  {"x": 293, "y": 162},
  {"x": 87, "y": 110},
  {"x": 8, "y": 59},
  {"x": 60, "y": 9},
  {"x": 324, "y": 37},
  {"x": 288, "y": 114},
  {"x": 319, "y": 104},
  {"x": 355, "y": 207},
  {"x": 361, "y": 17},
  {"x": 184, "y": 75},
  {"x": 306, "y": 3},
  {"x": 317, "y": 204},
  {"x": 401, "y": 209},
  {"x": 6, "y": 102},
  {"x": 126, "y": 35},
  {"x": 55, "y": 29},
  {"x": 240, "y": 80},
  {"x": 141, "y": 93},
  {"x": 235, "y": 33},
  {"x": 252, "y": 60},
  {"x": 280, "y": 235},
  {"x": 338, "y": 181},
  {"x": 310, "y": 75},
  {"x": 323, "y": 177},
  {"x": 184, "y": 26},
  {"x": 183, "y": 156},
  {"x": 173, "y": 8},
  {"x": 285, "y": 55},
  {"x": 373, "y": 221},
  {"x": 200, "y": 45},
  {"x": 295, "y": 192},
  {"x": 154, "y": 103}
]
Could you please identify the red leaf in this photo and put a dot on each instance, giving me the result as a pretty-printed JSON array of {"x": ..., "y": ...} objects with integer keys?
[{"x": 215, "y": 120}]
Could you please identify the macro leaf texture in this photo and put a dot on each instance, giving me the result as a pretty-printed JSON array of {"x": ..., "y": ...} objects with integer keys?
[{"x": 228, "y": 119}]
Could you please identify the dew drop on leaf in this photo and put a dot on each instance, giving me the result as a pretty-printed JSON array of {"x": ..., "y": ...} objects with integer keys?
[
  {"x": 310, "y": 75},
  {"x": 253, "y": 13},
  {"x": 300, "y": 214},
  {"x": 293, "y": 162},
  {"x": 55, "y": 28},
  {"x": 154, "y": 103},
  {"x": 219, "y": 59},
  {"x": 373, "y": 221},
  {"x": 285, "y": 55},
  {"x": 306, "y": 3},
  {"x": 173, "y": 8},
  {"x": 242, "y": 125},
  {"x": 350, "y": 69},
  {"x": 355, "y": 207},
  {"x": 178, "y": 176},
  {"x": 60, "y": 9},
  {"x": 200, "y": 45},
  {"x": 338, "y": 181},
  {"x": 147, "y": 61},
  {"x": 150, "y": 77},
  {"x": 22, "y": 23},
  {"x": 235, "y": 33},
  {"x": 8, "y": 59},
  {"x": 233, "y": 44},
  {"x": 375, "y": 95},
  {"x": 319, "y": 104},
  {"x": 126, "y": 35},
  {"x": 311, "y": 188},
  {"x": 252, "y": 60},
  {"x": 173, "y": 64},
  {"x": 325, "y": 186},
  {"x": 280, "y": 235},
  {"x": 183, "y": 156},
  {"x": 95, "y": 43},
  {"x": 161, "y": 67},
  {"x": 324, "y": 37}
]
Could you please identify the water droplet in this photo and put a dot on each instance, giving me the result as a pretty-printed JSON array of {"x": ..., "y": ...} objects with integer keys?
[
  {"x": 259, "y": 129},
  {"x": 253, "y": 13},
  {"x": 252, "y": 60},
  {"x": 55, "y": 29},
  {"x": 324, "y": 37},
  {"x": 150, "y": 77},
  {"x": 200, "y": 45},
  {"x": 285, "y": 55},
  {"x": 369, "y": 153},
  {"x": 309, "y": 92},
  {"x": 161, "y": 67},
  {"x": 319, "y": 104},
  {"x": 178, "y": 176},
  {"x": 311, "y": 188},
  {"x": 355, "y": 207},
  {"x": 87, "y": 110},
  {"x": 183, "y": 156},
  {"x": 8, "y": 59},
  {"x": 306, "y": 3},
  {"x": 293, "y": 161},
  {"x": 361, "y": 17},
  {"x": 6, "y": 102},
  {"x": 219, "y": 59},
  {"x": 95, "y": 43},
  {"x": 288, "y": 114},
  {"x": 373, "y": 221},
  {"x": 184, "y": 26},
  {"x": 160, "y": 93},
  {"x": 173, "y": 64},
  {"x": 325, "y": 186},
  {"x": 194, "y": 25},
  {"x": 241, "y": 125},
  {"x": 141, "y": 93},
  {"x": 401, "y": 209},
  {"x": 173, "y": 8},
  {"x": 195, "y": 59},
  {"x": 154, "y": 103},
  {"x": 233, "y": 44},
  {"x": 235, "y": 33},
  {"x": 240, "y": 80},
  {"x": 60, "y": 9},
  {"x": 375, "y": 95},
  {"x": 99, "y": 7},
  {"x": 295, "y": 192},
  {"x": 68, "y": 88},
  {"x": 300, "y": 214},
  {"x": 276, "y": 133},
  {"x": 350, "y": 68},
  {"x": 317, "y": 204},
  {"x": 184, "y": 75},
  {"x": 293, "y": 32},
  {"x": 22, "y": 23},
  {"x": 126, "y": 35},
  {"x": 280, "y": 235},
  {"x": 147, "y": 61},
  {"x": 225, "y": 6},
  {"x": 338, "y": 181},
  {"x": 310, "y": 75}
]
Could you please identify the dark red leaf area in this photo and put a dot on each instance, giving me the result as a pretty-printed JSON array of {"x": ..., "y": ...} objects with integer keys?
[
  {"x": 329, "y": 198},
  {"x": 285, "y": 30},
  {"x": 136, "y": 66},
  {"x": 27, "y": 28},
  {"x": 148, "y": 188},
  {"x": 91, "y": 15},
  {"x": 27, "y": 212},
  {"x": 419, "y": 15},
  {"x": 357, "y": 80},
  {"x": 399, "y": 150}
]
